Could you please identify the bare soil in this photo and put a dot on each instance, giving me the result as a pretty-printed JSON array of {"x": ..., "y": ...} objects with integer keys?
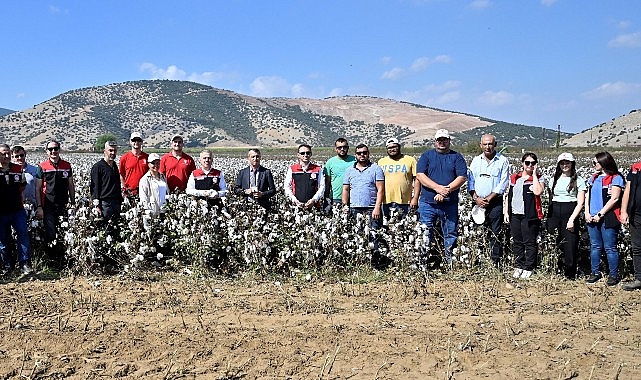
[{"x": 396, "y": 328}]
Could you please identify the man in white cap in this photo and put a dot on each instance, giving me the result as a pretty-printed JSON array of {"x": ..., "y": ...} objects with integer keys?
[
  {"x": 441, "y": 172},
  {"x": 401, "y": 188},
  {"x": 133, "y": 165},
  {"x": 177, "y": 165},
  {"x": 488, "y": 178}
]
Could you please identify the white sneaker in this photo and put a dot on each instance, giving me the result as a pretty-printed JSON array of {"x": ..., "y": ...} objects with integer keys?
[
  {"x": 517, "y": 272},
  {"x": 526, "y": 274}
]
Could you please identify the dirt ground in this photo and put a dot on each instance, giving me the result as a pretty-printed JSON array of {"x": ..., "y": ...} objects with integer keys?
[{"x": 88, "y": 328}]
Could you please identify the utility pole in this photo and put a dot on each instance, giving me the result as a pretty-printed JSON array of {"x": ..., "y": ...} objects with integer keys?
[{"x": 558, "y": 136}]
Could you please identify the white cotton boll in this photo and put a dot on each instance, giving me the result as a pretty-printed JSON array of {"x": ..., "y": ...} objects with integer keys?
[
  {"x": 159, "y": 256},
  {"x": 187, "y": 271},
  {"x": 308, "y": 277},
  {"x": 109, "y": 239},
  {"x": 277, "y": 283}
]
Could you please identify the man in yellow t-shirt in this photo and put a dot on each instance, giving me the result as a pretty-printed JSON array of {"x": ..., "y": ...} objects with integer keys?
[{"x": 401, "y": 188}]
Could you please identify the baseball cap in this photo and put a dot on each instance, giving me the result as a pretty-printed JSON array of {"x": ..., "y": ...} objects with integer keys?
[
  {"x": 110, "y": 144},
  {"x": 135, "y": 135},
  {"x": 177, "y": 137},
  {"x": 478, "y": 214},
  {"x": 565, "y": 156},
  {"x": 441, "y": 133},
  {"x": 153, "y": 157},
  {"x": 391, "y": 141}
]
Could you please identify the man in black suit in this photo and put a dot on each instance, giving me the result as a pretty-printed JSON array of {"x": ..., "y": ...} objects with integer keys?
[{"x": 255, "y": 182}]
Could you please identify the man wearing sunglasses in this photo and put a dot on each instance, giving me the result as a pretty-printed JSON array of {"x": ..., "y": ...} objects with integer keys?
[
  {"x": 304, "y": 181},
  {"x": 55, "y": 192},
  {"x": 441, "y": 172},
  {"x": 132, "y": 166},
  {"x": 335, "y": 168},
  {"x": 12, "y": 214},
  {"x": 19, "y": 156},
  {"x": 363, "y": 192}
]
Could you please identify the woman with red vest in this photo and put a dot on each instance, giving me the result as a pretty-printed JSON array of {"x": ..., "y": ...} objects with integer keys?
[
  {"x": 522, "y": 210},
  {"x": 603, "y": 206}
]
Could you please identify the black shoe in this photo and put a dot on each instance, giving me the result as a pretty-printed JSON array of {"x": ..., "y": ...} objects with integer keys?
[
  {"x": 593, "y": 278},
  {"x": 632, "y": 285},
  {"x": 612, "y": 280}
]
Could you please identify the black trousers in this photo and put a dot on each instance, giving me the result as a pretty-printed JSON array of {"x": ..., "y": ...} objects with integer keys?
[
  {"x": 524, "y": 233},
  {"x": 567, "y": 241},
  {"x": 635, "y": 235}
]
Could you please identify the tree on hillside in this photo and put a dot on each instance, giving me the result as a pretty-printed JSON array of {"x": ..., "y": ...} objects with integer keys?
[{"x": 102, "y": 139}]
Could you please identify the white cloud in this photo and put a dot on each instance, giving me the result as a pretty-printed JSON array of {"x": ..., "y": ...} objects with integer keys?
[
  {"x": 626, "y": 40},
  {"x": 496, "y": 98},
  {"x": 548, "y": 2},
  {"x": 386, "y": 60},
  {"x": 624, "y": 24},
  {"x": 612, "y": 89},
  {"x": 480, "y": 4},
  {"x": 422, "y": 63},
  {"x": 20, "y": 95},
  {"x": 175, "y": 73},
  {"x": 274, "y": 86},
  {"x": 57, "y": 10},
  {"x": 393, "y": 74}
]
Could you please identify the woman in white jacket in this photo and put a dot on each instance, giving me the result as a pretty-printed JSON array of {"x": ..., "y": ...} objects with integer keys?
[{"x": 153, "y": 186}]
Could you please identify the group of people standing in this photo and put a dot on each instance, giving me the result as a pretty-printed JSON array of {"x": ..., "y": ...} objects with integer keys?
[{"x": 355, "y": 185}]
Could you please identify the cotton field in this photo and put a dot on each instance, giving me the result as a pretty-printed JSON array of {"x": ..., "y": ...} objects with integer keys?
[{"x": 287, "y": 241}]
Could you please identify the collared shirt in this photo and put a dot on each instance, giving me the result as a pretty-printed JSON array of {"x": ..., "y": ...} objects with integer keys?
[
  {"x": 334, "y": 169},
  {"x": 486, "y": 177},
  {"x": 362, "y": 184},
  {"x": 304, "y": 183}
]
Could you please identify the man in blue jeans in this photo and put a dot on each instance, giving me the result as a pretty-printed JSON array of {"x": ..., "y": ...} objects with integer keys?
[
  {"x": 441, "y": 172},
  {"x": 12, "y": 213},
  {"x": 363, "y": 190}
]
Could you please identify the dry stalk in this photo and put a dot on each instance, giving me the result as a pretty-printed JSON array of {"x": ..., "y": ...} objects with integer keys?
[
  {"x": 171, "y": 365},
  {"x": 487, "y": 341},
  {"x": 561, "y": 344},
  {"x": 331, "y": 364},
  {"x": 379, "y": 369}
]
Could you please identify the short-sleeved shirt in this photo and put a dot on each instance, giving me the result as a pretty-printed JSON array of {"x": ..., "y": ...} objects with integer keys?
[
  {"x": 132, "y": 168},
  {"x": 399, "y": 175},
  {"x": 560, "y": 192},
  {"x": 598, "y": 190},
  {"x": 335, "y": 168},
  {"x": 486, "y": 177},
  {"x": 177, "y": 170},
  {"x": 442, "y": 168},
  {"x": 362, "y": 184}
]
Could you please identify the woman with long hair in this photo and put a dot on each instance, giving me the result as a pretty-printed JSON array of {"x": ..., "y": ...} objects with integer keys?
[
  {"x": 603, "y": 205},
  {"x": 522, "y": 210},
  {"x": 568, "y": 195}
]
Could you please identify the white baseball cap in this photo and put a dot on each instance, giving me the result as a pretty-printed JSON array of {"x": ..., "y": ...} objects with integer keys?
[
  {"x": 153, "y": 157},
  {"x": 135, "y": 135},
  {"x": 565, "y": 156},
  {"x": 442, "y": 133},
  {"x": 478, "y": 214},
  {"x": 392, "y": 141}
]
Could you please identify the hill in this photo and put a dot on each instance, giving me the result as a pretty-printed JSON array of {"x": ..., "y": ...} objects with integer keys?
[
  {"x": 4, "y": 111},
  {"x": 621, "y": 131},
  {"x": 208, "y": 116}
]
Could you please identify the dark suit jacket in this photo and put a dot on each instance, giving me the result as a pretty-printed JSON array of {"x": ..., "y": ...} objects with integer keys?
[{"x": 265, "y": 184}]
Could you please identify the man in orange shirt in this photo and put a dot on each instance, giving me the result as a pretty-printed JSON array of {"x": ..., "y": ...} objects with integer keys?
[
  {"x": 177, "y": 165},
  {"x": 132, "y": 166}
]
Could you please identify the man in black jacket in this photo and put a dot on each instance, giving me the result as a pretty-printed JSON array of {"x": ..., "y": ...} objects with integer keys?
[
  {"x": 105, "y": 185},
  {"x": 256, "y": 182}
]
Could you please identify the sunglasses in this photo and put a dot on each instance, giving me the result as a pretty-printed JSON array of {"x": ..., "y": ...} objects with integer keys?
[
  {"x": 529, "y": 163},
  {"x": 363, "y": 153},
  {"x": 19, "y": 155},
  {"x": 54, "y": 149},
  {"x": 136, "y": 140},
  {"x": 342, "y": 147},
  {"x": 594, "y": 162},
  {"x": 308, "y": 153}
]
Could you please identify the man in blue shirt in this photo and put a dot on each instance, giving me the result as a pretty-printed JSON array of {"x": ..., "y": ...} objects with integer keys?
[
  {"x": 363, "y": 190},
  {"x": 488, "y": 179},
  {"x": 441, "y": 172}
]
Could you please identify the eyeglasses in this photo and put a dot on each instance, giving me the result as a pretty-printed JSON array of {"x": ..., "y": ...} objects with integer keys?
[
  {"x": 564, "y": 162},
  {"x": 442, "y": 139},
  {"x": 19, "y": 155},
  {"x": 392, "y": 147},
  {"x": 342, "y": 147},
  {"x": 363, "y": 153},
  {"x": 307, "y": 153},
  {"x": 53, "y": 149},
  {"x": 529, "y": 163}
]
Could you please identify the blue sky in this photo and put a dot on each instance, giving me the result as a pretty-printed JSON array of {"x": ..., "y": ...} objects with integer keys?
[{"x": 536, "y": 62}]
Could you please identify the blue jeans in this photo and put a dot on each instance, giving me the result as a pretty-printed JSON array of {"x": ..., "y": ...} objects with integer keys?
[
  {"x": 448, "y": 216},
  {"x": 602, "y": 237},
  {"x": 17, "y": 220}
]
